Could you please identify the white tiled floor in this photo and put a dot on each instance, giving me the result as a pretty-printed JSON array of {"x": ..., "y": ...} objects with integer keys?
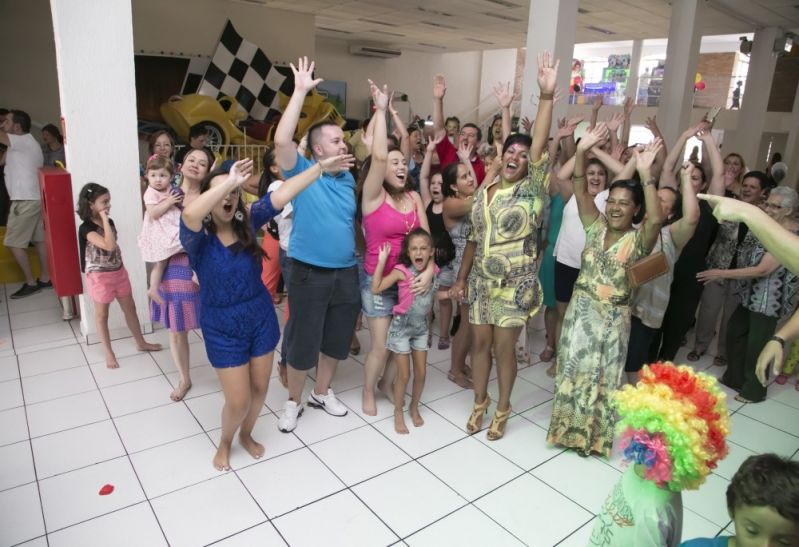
[{"x": 68, "y": 426}]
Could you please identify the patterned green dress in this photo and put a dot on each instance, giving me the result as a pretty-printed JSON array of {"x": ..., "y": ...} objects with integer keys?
[
  {"x": 503, "y": 284},
  {"x": 593, "y": 343}
]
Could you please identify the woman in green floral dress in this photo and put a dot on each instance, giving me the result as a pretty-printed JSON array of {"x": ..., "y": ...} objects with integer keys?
[{"x": 596, "y": 328}]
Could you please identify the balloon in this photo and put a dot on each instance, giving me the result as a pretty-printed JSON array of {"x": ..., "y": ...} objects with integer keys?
[
  {"x": 697, "y": 78},
  {"x": 699, "y": 86}
]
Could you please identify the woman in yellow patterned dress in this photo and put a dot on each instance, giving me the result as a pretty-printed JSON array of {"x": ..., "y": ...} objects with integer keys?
[
  {"x": 500, "y": 259},
  {"x": 596, "y": 328}
]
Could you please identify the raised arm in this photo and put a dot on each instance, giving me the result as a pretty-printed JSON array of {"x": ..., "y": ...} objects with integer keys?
[
  {"x": 424, "y": 172},
  {"x": 654, "y": 214},
  {"x": 399, "y": 125},
  {"x": 296, "y": 184},
  {"x": 547, "y": 77},
  {"x": 778, "y": 241},
  {"x": 628, "y": 169},
  {"x": 716, "y": 186},
  {"x": 195, "y": 212},
  {"x": 657, "y": 167},
  {"x": 629, "y": 106},
  {"x": 464, "y": 155},
  {"x": 675, "y": 155},
  {"x": 439, "y": 90},
  {"x": 372, "y": 195},
  {"x": 585, "y": 202},
  {"x": 285, "y": 153},
  {"x": 597, "y": 104},
  {"x": 683, "y": 230},
  {"x": 613, "y": 124},
  {"x": 504, "y": 99},
  {"x": 614, "y": 166}
]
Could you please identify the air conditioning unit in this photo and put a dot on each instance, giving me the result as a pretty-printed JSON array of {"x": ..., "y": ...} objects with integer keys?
[{"x": 368, "y": 50}]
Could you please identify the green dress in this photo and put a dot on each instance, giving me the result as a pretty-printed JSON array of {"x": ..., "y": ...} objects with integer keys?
[
  {"x": 503, "y": 283},
  {"x": 593, "y": 342}
]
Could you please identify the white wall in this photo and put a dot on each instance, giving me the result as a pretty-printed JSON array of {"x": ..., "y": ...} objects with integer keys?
[
  {"x": 499, "y": 65},
  {"x": 193, "y": 27},
  {"x": 411, "y": 73}
]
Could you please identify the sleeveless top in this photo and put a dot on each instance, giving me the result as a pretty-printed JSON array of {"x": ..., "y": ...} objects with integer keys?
[
  {"x": 435, "y": 221},
  {"x": 387, "y": 224},
  {"x": 409, "y": 303},
  {"x": 459, "y": 233},
  {"x": 651, "y": 299}
]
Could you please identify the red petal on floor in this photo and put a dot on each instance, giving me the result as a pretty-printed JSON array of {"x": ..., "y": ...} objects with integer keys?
[{"x": 107, "y": 489}]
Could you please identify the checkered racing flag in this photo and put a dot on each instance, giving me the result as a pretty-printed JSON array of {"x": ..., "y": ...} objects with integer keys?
[{"x": 241, "y": 70}]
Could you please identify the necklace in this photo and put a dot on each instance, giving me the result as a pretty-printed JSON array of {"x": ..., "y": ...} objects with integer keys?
[{"x": 402, "y": 210}]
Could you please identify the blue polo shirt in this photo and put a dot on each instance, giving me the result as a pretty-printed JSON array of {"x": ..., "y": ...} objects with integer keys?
[{"x": 323, "y": 226}]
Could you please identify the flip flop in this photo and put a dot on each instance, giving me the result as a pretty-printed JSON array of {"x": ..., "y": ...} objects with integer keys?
[{"x": 695, "y": 355}]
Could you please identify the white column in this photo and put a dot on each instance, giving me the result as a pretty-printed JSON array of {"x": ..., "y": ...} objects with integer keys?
[
  {"x": 551, "y": 26},
  {"x": 682, "y": 55},
  {"x": 94, "y": 54},
  {"x": 635, "y": 67},
  {"x": 754, "y": 104},
  {"x": 791, "y": 154}
]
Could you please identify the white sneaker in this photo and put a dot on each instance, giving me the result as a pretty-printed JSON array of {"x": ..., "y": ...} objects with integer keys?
[
  {"x": 328, "y": 403},
  {"x": 288, "y": 421}
]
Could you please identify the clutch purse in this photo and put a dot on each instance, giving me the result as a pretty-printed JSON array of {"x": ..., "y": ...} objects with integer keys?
[{"x": 648, "y": 268}]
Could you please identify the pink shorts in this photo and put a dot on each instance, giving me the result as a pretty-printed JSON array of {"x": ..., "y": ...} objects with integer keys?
[{"x": 104, "y": 287}]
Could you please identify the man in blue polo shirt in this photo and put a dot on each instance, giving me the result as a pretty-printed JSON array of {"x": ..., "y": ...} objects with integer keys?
[{"x": 325, "y": 299}]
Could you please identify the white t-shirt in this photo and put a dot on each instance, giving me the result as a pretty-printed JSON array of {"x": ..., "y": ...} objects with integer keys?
[
  {"x": 571, "y": 238},
  {"x": 283, "y": 219},
  {"x": 23, "y": 160}
]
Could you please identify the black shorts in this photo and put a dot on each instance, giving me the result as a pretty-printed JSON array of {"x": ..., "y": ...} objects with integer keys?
[
  {"x": 565, "y": 278},
  {"x": 324, "y": 307}
]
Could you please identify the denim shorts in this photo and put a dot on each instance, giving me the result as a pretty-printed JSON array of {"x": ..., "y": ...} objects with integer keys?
[
  {"x": 447, "y": 275},
  {"x": 408, "y": 332},
  {"x": 377, "y": 305}
]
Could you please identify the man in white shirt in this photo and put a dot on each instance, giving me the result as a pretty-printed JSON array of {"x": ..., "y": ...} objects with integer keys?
[{"x": 23, "y": 160}]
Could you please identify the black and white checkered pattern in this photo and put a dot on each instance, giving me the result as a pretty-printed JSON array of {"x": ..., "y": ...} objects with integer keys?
[{"x": 241, "y": 70}]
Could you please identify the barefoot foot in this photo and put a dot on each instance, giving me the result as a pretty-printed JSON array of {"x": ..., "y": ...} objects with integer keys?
[
  {"x": 399, "y": 423},
  {"x": 416, "y": 418},
  {"x": 180, "y": 391},
  {"x": 155, "y": 296},
  {"x": 111, "y": 361},
  {"x": 368, "y": 402},
  {"x": 147, "y": 346},
  {"x": 255, "y": 449},
  {"x": 551, "y": 371},
  {"x": 222, "y": 458}
]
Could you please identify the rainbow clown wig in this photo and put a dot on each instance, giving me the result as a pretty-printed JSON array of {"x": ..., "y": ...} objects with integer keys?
[{"x": 674, "y": 423}]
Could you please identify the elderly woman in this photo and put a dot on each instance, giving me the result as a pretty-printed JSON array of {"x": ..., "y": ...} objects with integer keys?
[
  {"x": 501, "y": 258},
  {"x": 767, "y": 291},
  {"x": 596, "y": 329}
]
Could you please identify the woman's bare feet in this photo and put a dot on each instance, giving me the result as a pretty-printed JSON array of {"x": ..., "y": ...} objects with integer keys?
[
  {"x": 416, "y": 418},
  {"x": 552, "y": 370},
  {"x": 368, "y": 402},
  {"x": 399, "y": 423},
  {"x": 222, "y": 458},
  {"x": 255, "y": 449},
  {"x": 180, "y": 391},
  {"x": 147, "y": 346},
  {"x": 152, "y": 292},
  {"x": 111, "y": 361},
  {"x": 460, "y": 379}
]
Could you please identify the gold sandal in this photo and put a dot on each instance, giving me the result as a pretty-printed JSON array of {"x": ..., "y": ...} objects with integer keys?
[
  {"x": 497, "y": 428},
  {"x": 475, "y": 422}
]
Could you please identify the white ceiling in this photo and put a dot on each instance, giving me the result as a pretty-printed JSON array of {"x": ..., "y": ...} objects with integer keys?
[{"x": 463, "y": 25}]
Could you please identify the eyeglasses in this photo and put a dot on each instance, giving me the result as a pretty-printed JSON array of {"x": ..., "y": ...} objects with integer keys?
[{"x": 770, "y": 205}]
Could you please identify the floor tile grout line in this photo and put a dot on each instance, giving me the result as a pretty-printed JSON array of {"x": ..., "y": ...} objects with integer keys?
[{"x": 575, "y": 531}]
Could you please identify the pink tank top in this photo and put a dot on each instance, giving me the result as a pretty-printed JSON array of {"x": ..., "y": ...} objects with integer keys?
[{"x": 387, "y": 224}]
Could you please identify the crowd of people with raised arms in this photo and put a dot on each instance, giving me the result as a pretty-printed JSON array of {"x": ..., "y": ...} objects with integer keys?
[{"x": 394, "y": 226}]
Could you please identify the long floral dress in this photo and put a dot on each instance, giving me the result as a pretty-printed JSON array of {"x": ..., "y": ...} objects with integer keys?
[
  {"x": 593, "y": 342},
  {"x": 503, "y": 285}
]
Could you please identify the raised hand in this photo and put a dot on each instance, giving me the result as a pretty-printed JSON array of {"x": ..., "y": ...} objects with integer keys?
[
  {"x": 646, "y": 157},
  {"x": 437, "y": 138},
  {"x": 303, "y": 75},
  {"x": 379, "y": 96},
  {"x": 617, "y": 151},
  {"x": 385, "y": 251},
  {"x": 503, "y": 95},
  {"x": 706, "y": 137},
  {"x": 465, "y": 152},
  {"x": 547, "y": 72},
  {"x": 240, "y": 171},
  {"x": 651, "y": 123},
  {"x": 615, "y": 121},
  {"x": 569, "y": 126},
  {"x": 336, "y": 164},
  {"x": 685, "y": 173},
  {"x": 629, "y": 106},
  {"x": 593, "y": 137},
  {"x": 527, "y": 124},
  {"x": 439, "y": 87}
]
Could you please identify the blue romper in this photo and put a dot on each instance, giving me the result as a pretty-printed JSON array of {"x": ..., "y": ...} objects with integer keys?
[{"x": 237, "y": 316}]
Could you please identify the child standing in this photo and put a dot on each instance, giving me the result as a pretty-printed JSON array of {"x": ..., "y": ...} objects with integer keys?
[
  {"x": 159, "y": 238},
  {"x": 106, "y": 276},
  {"x": 409, "y": 328}
]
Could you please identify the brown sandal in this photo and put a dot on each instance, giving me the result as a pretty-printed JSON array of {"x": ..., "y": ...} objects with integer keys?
[
  {"x": 497, "y": 428},
  {"x": 475, "y": 422}
]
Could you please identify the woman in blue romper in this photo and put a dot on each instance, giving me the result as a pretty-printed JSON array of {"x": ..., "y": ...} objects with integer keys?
[{"x": 237, "y": 316}]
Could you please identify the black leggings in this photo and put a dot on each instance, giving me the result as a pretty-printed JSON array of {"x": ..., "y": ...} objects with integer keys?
[{"x": 680, "y": 315}]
